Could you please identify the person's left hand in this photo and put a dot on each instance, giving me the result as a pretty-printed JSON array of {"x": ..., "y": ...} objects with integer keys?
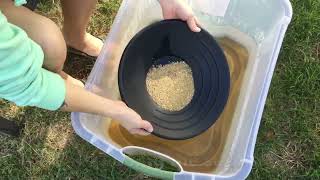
[{"x": 177, "y": 9}]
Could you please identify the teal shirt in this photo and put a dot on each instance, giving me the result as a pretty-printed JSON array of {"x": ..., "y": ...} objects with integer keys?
[
  {"x": 20, "y": 2},
  {"x": 22, "y": 78}
]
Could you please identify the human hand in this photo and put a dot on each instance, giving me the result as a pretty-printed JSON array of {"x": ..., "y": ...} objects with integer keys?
[
  {"x": 132, "y": 121},
  {"x": 177, "y": 9}
]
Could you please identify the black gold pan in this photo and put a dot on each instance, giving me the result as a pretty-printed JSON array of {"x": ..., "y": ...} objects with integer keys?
[{"x": 158, "y": 44}]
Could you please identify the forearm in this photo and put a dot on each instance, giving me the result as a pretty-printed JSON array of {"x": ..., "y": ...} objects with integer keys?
[
  {"x": 162, "y": 2},
  {"x": 79, "y": 99}
]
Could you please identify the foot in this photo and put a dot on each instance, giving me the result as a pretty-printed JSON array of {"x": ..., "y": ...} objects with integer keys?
[{"x": 89, "y": 44}]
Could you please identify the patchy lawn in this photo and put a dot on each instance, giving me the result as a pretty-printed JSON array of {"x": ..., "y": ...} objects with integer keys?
[{"x": 288, "y": 145}]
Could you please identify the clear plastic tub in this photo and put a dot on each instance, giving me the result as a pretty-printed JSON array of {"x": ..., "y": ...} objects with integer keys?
[{"x": 257, "y": 27}]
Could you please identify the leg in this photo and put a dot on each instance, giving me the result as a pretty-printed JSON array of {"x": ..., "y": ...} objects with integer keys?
[
  {"x": 44, "y": 32},
  {"x": 76, "y": 17},
  {"x": 41, "y": 30}
]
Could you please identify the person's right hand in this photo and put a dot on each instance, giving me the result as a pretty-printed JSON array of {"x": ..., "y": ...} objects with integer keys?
[
  {"x": 178, "y": 9},
  {"x": 132, "y": 121}
]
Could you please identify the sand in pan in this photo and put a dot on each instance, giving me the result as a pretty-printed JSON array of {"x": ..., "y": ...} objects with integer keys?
[{"x": 171, "y": 86}]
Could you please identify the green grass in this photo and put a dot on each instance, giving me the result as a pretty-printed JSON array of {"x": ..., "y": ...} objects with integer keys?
[
  {"x": 288, "y": 145},
  {"x": 154, "y": 162}
]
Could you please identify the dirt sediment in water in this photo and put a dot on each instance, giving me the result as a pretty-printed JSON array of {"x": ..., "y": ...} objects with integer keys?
[{"x": 201, "y": 153}]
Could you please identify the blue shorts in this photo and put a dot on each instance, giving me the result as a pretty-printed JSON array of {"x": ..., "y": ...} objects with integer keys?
[{"x": 31, "y": 4}]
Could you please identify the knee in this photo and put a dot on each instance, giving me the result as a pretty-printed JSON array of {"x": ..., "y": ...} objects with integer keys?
[
  {"x": 53, "y": 46},
  {"x": 42, "y": 30}
]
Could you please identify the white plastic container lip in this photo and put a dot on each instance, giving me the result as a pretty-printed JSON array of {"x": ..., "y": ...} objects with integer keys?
[{"x": 244, "y": 171}]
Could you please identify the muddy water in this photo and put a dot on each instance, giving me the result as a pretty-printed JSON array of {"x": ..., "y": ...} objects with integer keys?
[{"x": 201, "y": 153}]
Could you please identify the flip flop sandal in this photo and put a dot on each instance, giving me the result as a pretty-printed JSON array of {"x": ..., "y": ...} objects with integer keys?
[
  {"x": 77, "y": 52},
  {"x": 10, "y": 127},
  {"x": 73, "y": 51}
]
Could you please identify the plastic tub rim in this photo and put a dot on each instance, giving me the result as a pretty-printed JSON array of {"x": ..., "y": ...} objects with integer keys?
[{"x": 245, "y": 170}]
